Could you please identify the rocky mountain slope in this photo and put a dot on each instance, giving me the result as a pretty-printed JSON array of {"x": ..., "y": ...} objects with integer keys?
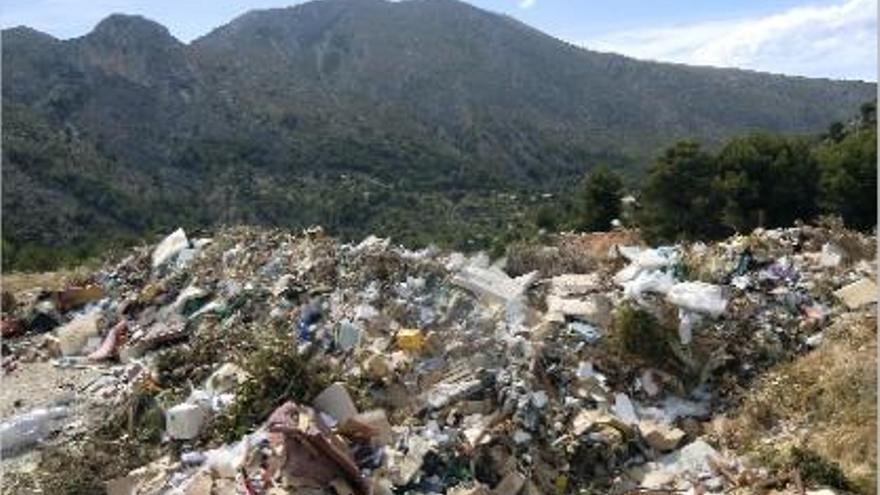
[{"x": 358, "y": 115}]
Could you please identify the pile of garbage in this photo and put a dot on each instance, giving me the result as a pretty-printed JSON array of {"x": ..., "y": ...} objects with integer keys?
[{"x": 448, "y": 375}]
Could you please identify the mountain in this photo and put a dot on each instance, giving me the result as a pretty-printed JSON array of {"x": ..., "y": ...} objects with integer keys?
[{"x": 362, "y": 115}]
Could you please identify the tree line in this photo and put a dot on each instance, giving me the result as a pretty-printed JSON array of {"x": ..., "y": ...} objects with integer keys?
[{"x": 757, "y": 180}]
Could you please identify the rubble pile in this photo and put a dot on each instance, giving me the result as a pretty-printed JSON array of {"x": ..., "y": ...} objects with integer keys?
[{"x": 440, "y": 372}]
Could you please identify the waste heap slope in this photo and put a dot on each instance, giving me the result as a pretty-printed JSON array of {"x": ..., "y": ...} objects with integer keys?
[{"x": 267, "y": 361}]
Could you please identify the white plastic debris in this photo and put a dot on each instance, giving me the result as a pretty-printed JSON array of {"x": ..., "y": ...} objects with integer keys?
[
  {"x": 698, "y": 297},
  {"x": 539, "y": 399},
  {"x": 815, "y": 340},
  {"x": 169, "y": 248},
  {"x": 832, "y": 255},
  {"x": 687, "y": 321},
  {"x": 29, "y": 428},
  {"x": 188, "y": 294},
  {"x": 655, "y": 281},
  {"x": 491, "y": 284},
  {"x": 589, "y": 333}
]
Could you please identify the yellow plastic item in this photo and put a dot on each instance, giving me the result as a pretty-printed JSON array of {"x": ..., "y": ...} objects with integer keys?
[{"x": 410, "y": 339}]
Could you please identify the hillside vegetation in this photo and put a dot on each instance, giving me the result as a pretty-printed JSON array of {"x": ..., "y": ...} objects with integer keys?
[{"x": 421, "y": 120}]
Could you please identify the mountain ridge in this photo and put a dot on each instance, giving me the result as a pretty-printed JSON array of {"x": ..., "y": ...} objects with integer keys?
[{"x": 405, "y": 103}]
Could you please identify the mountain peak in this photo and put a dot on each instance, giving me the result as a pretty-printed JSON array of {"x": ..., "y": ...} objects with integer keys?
[{"x": 123, "y": 28}]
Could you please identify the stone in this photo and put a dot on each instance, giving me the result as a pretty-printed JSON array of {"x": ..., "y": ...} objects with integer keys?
[
  {"x": 406, "y": 466},
  {"x": 201, "y": 484},
  {"x": 831, "y": 256},
  {"x": 511, "y": 484},
  {"x": 348, "y": 336},
  {"x": 660, "y": 436},
  {"x": 690, "y": 461},
  {"x": 693, "y": 458},
  {"x": 858, "y": 294},
  {"x": 73, "y": 337},
  {"x": 574, "y": 284},
  {"x": 624, "y": 409},
  {"x": 184, "y": 421},
  {"x": 475, "y": 489},
  {"x": 594, "y": 308},
  {"x": 335, "y": 401},
  {"x": 588, "y": 419},
  {"x": 377, "y": 367},
  {"x": 372, "y": 423},
  {"x": 225, "y": 379}
]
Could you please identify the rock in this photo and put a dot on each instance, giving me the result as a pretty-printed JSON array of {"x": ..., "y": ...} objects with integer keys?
[
  {"x": 595, "y": 309},
  {"x": 405, "y": 467},
  {"x": 574, "y": 284},
  {"x": 858, "y": 294},
  {"x": 73, "y": 337},
  {"x": 184, "y": 421},
  {"x": 539, "y": 399},
  {"x": 146, "y": 479},
  {"x": 377, "y": 366},
  {"x": 476, "y": 489},
  {"x": 624, "y": 409},
  {"x": 348, "y": 336},
  {"x": 659, "y": 436},
  {"x": 335, "y": 401},
  {"x": 689, "y": 461},
  {"x": 589, "y": 419},
  {"x": 370, "y": 424},
  {"x": 225, "y": 379},
  {"x": 693, "y": 458},
  {"x": 200, "y": 484},
  {"x": 831, "y": 256},
  {"x": 511, "y": 484},
  {"x": 169, "y": 248}
]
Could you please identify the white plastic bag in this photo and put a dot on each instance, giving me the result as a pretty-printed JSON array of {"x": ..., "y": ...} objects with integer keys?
[{"x": 699, "y": 297}]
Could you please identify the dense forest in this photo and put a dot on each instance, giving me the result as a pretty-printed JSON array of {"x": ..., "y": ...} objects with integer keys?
[{"x": 755, "y": 180}]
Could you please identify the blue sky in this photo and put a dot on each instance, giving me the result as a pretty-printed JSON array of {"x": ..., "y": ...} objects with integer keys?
[{"x": 817, "y": 38}]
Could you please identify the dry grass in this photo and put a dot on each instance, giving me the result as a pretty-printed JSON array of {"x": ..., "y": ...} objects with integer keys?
[
  {"x": 569, "y": 253},
  {"x": 57, "y": 280},
  {"x": 824, "y": 403}
]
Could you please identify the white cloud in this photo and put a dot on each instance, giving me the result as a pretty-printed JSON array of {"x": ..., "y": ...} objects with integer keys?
[
  {"x": 526, "y": 4},
  {"x": 837, "y": 41}
]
